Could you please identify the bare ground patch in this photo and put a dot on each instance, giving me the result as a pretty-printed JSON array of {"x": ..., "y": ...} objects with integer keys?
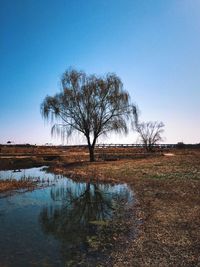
[
  {"x": 11, "y": 184},
  {"x": 168, "y": 193}
]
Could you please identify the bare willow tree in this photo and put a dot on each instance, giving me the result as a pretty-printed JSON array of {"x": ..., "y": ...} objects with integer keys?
[
  {"x": 91, "y": 105},
  {"x": 150, "y": 133}
]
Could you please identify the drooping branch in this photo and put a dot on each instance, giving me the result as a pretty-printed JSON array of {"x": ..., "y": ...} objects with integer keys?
[
  {"x": 150, "y": 133},
  {"x": 90, "y": 105}
]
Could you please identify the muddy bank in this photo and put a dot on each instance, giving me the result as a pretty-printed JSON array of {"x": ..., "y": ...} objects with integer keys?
[
  {"x": 168, "y": 192},
  {"x": 88, "y": 220},
  {"x": 10, "y": 185},
  {"x": 15, "y": 163},
  {"x": 168, "y": 209}
]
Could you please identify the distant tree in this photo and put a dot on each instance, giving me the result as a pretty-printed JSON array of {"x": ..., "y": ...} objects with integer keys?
[
  {"x": 10, "y": 142},
  {"x": 150, "y": 133},
  {"x": 180, "y": 145},
  {"x": 90, "y": 105}
]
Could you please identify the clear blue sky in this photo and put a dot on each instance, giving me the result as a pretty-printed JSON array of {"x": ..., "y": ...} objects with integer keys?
[{"x": 153, "y": 45}]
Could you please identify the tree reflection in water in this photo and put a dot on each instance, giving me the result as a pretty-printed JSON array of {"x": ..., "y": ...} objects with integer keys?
[{"x": 77, "y": 212}]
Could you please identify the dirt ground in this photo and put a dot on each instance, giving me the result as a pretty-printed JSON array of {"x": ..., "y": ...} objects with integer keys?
[
  {"x": 8, "y": 185},
  {"x": 167, "y": 189}
]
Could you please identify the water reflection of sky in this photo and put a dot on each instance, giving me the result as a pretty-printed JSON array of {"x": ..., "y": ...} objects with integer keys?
[
  {"x": 32, "y": 172},
  {"x": 51, "y": 224}
]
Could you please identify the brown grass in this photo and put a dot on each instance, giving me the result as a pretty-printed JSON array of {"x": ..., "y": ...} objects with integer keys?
[
  {"x": 11, "y": 184},
  {"x": 167, "y": 189},
  {"x": 168, "y": 192}
]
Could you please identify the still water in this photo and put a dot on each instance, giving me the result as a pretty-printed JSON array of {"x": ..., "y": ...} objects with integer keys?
[{"x": 54, "y": 224}]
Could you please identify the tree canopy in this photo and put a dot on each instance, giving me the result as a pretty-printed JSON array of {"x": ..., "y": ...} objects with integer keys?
[
  {"x": 91, "y": 105},
  {"x": 150, "y": 133}
]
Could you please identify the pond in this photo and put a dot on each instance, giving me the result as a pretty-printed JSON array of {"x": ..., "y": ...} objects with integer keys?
[{"x": 62, "y": 223}]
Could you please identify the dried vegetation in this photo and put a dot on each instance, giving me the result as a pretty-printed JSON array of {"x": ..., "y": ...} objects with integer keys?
[
  {"x": 167, "y": 189},
  {"x": 168, "y": 193},
  {"x": 11, "y": 184}
]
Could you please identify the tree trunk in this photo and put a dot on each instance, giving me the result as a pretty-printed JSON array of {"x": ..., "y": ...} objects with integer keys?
[
  {"x": 150, "y": 146},
  {"x": 91, "y": 151},
  {"x": 91, "y": 147},
  {"x": 146, "y": 146}
]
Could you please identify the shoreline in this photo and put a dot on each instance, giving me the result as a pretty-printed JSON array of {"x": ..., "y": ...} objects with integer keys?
[
  {"x": 167, "y": 189},
  {"x": 9, "y": 185}
]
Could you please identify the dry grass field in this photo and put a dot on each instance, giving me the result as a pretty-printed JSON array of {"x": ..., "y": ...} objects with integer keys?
[
  {"x": 7, "y": 185},
  {"x": 167, "y": 188}
]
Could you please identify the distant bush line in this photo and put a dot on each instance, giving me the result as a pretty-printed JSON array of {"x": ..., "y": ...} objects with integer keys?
[{"x": 179, "y": 145}]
